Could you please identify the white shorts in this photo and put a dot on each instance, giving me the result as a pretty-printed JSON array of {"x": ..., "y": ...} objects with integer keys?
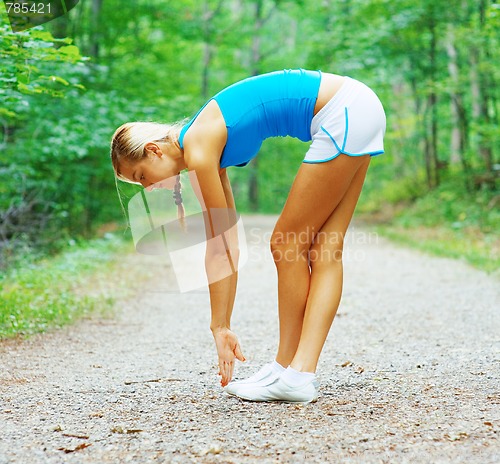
[{"x": 352, "y": 122}]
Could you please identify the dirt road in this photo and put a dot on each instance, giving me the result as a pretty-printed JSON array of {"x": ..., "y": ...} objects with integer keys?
[{"x": 409, "y": 374}]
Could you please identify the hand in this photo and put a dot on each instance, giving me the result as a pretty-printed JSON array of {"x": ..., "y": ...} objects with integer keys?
[{"x": 228, "y": 348}]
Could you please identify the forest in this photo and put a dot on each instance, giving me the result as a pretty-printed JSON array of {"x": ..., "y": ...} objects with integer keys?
[
  {"x": 65, "y": 86},
  {"x": 105, "y": 357}
]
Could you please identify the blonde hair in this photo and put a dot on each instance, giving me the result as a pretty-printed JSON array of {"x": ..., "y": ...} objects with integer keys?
[{"x": 128, "y": 144}]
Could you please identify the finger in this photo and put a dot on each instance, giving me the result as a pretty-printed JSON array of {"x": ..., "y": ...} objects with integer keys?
[
  {"x": 231, "y": 371},
  {"x": 238, "y": 353},
  {"x": 225, "y": 372}
]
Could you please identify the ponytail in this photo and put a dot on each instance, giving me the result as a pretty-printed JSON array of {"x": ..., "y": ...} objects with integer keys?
[{"x": 178, "y": 201}]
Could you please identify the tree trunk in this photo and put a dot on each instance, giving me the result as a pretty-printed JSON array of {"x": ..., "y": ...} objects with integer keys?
[
  {"x": 207, "y": 51},
  {"x": 253, "y": 186},
  {"x": 94, "y": 28},
  {"x": 398, "y": 126},
  {"x": 207, "y": 59},
  {"x": 431, "y": 153},
  {"x": 346, "y": 34},
  {"x": 480, "y": 82},
  {"x": 60, "y": 27},
  {"x": 209, "y": 39},
  {"x": 474, "y": 84},
  {"x": 485, "y": 146},
  {"x": 428, "y": 166},
  {"x": 459, "y": 132},
  {"x": 456, "y": 147}
]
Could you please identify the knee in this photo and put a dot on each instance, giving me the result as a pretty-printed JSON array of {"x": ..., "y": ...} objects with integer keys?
[
  {"x": 277, "y": 241},
  {"x": 325, "y": 257},
  {"x": 285, "y": 250},
  {"x": 278, "y": 248}
]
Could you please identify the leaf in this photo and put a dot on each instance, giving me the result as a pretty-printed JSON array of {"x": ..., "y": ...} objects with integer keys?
[
  {"x": 6, "y": 113},
  {"x": 214, "y": 448},
  {"x": 78, "y": 448},
  {"x": 29, "y": 90},
  {"x": 70, "y": 51},
  {"x": 74, "y": 435},
  {"x": 46, "y": 36},
  {"x": 55, "y": 79},
  {"x": 457, "y": 437},
  {"x": 120, "y": 429}
]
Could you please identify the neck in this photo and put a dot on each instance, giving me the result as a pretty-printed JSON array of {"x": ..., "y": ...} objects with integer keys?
[{"x": 175, "y": 152}]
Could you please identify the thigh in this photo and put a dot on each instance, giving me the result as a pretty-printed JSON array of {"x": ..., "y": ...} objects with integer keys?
[
  {"x": 330, "y": 239},
  {"x": 316, "y": 192}
]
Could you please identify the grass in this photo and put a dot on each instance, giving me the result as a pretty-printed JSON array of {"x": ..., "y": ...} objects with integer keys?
[
  {"x": 447, "y": 221},
  {"x": 49, "y": 293},
  {"x": 472, "y": 246}
]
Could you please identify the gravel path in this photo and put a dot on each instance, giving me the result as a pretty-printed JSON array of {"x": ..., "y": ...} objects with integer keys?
[{"x": 409, "y": 374}]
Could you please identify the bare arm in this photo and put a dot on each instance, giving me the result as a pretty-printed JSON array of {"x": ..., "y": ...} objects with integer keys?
[
  {"x": 221, "y": 249},
  {"x": 203, "y": 145},
  {"x": 221, "y": 259},
  {"x": 234, "y": 239}
]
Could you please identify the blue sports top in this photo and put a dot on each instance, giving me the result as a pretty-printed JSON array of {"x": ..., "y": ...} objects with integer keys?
[{"x": 279, "y": 103}]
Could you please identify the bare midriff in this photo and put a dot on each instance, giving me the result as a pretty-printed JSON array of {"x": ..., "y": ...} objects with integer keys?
[{"x": 330, "y": 84}]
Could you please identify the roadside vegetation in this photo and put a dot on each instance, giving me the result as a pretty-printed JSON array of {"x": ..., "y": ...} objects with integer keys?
[{"x": 87, "y": 277}]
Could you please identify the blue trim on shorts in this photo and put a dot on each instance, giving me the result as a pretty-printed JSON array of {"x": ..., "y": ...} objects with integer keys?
[
  {"x": 373, "y": 153},
  {"x": 346, "y": 129},
  {"x": 341, "y": 151}
]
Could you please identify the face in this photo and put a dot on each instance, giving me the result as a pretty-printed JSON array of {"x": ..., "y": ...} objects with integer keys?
[{"x": 156, "y": 168}]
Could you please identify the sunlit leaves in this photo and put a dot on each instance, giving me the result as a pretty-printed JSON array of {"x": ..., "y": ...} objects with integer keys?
[{"x": 24, "y": 56}]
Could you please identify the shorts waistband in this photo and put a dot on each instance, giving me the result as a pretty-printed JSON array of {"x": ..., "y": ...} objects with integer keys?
[{"x": 337, "y": 102}]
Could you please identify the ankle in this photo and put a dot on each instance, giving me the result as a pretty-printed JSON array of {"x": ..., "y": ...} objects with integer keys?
[
  {"x": 297, "y": 378},
  {"x": 277, "y": 367},
  {"x": 283, "y": 360},
  {"x": 303, "y": 367}
]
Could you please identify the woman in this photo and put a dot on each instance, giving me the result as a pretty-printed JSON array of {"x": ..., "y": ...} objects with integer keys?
[{"x": 346, "y": 123}]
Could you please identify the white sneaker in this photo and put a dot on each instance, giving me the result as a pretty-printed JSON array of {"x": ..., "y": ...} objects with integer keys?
[
  {"x": 279, "y": 390},
  {"x": 264, "y": 376}
]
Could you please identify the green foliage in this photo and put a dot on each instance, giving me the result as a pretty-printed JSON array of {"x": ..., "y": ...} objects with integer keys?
[
  {"x": 36, "y": 296},
  {"x": 449, "y": 222},
  {"x": 479, "y": 250},
  {"x": 29, "y": 63},
  {"x": 162, "y": 60},
  {"x": 448, "y": 205},
  {"x": 277, "y": 165}
]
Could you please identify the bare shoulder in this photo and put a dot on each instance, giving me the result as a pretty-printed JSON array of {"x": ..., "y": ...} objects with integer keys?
[{"x": 206, "y": 138}]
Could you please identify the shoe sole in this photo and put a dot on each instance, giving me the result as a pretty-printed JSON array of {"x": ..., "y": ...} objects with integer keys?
[{"x": 253, "y": 400}]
